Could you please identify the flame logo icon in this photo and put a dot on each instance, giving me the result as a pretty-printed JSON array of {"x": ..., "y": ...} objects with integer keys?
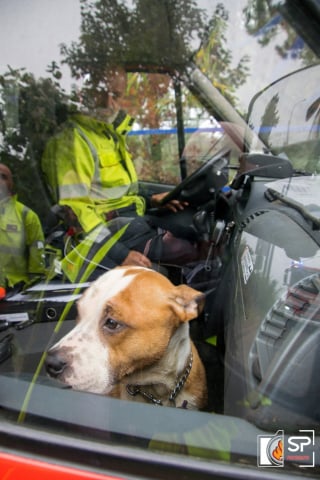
[
  {"x": 277, "y": 453},
  {"x": 275, "y": 450}
]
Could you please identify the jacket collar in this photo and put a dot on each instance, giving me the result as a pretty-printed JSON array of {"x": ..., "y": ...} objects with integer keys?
[
  {"x": 9, "y": 198},
  {"x": 122, "y": 123}
]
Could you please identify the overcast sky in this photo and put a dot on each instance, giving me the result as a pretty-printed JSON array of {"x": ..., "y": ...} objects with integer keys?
[{"x": 32, "y": 30}]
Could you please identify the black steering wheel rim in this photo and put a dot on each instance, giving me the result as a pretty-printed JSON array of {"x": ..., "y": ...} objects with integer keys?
[{"x": 200, "y": 178}]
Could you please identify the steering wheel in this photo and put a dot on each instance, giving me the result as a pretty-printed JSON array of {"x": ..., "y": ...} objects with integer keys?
[{"x": 199, "y": 187}]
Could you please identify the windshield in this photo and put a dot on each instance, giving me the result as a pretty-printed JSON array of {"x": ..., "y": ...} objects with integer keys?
[{"x": 286, "y": 118}]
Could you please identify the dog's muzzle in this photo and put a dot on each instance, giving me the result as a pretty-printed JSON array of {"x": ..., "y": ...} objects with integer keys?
[{"x": 55, "y": 364}]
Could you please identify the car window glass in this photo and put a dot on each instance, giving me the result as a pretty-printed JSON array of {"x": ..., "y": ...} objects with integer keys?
[{"x": 255, "y": 246}]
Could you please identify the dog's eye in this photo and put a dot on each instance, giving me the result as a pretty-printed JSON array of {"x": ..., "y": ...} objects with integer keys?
[{"x": 112, "y": 325}]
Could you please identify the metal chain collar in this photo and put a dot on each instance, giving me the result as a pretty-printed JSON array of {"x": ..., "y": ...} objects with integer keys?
[{"x": 134, "y": 390}]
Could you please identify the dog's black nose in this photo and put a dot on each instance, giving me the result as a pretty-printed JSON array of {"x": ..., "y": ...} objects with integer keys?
[{"x": 55, "y": 364}]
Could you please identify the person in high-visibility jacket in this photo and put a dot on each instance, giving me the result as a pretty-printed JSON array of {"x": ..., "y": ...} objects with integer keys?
[
  {"x": 91, "y": 174},
  {"x": 21, "y": 237}
]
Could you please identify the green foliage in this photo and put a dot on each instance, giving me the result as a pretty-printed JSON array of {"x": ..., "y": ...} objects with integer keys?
[
  {"x": 31, "y": 110},
  {"x": 112, "y": 33},
  {"x": 159, "y": 35},
  {"x": 258, "y": 14},
  {"x": 215, "y": 60}
]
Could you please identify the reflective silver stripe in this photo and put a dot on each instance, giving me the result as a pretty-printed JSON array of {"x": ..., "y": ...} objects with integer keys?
[
  {"x": 96, "y": 175},
  {"x": 96, "y": 192},
  {"x": 98, "y": 235},
  {"x": 37, "y": 244},
  {"x": 73, "y": 191},
  {"x": 111, "y": 193},
  {"x": 10, "y": 250}
]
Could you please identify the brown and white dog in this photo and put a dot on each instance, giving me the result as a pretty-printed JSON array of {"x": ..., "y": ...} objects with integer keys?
[{"x": 131, "y": 341}]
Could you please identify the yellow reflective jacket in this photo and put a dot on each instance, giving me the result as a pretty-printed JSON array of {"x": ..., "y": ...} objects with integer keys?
[
  {"x": 21, "y": 243},
  {"x": 88, "y": 168}
]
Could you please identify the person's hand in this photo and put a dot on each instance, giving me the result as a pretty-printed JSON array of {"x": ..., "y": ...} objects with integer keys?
[
  {"x": 71, "y": 220},
  {"x": 173, "y": 205},
  {"x": 137, "y": 258}
]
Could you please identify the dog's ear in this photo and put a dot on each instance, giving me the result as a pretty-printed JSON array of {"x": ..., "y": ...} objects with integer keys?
[{"x": 187, "y": 302}]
